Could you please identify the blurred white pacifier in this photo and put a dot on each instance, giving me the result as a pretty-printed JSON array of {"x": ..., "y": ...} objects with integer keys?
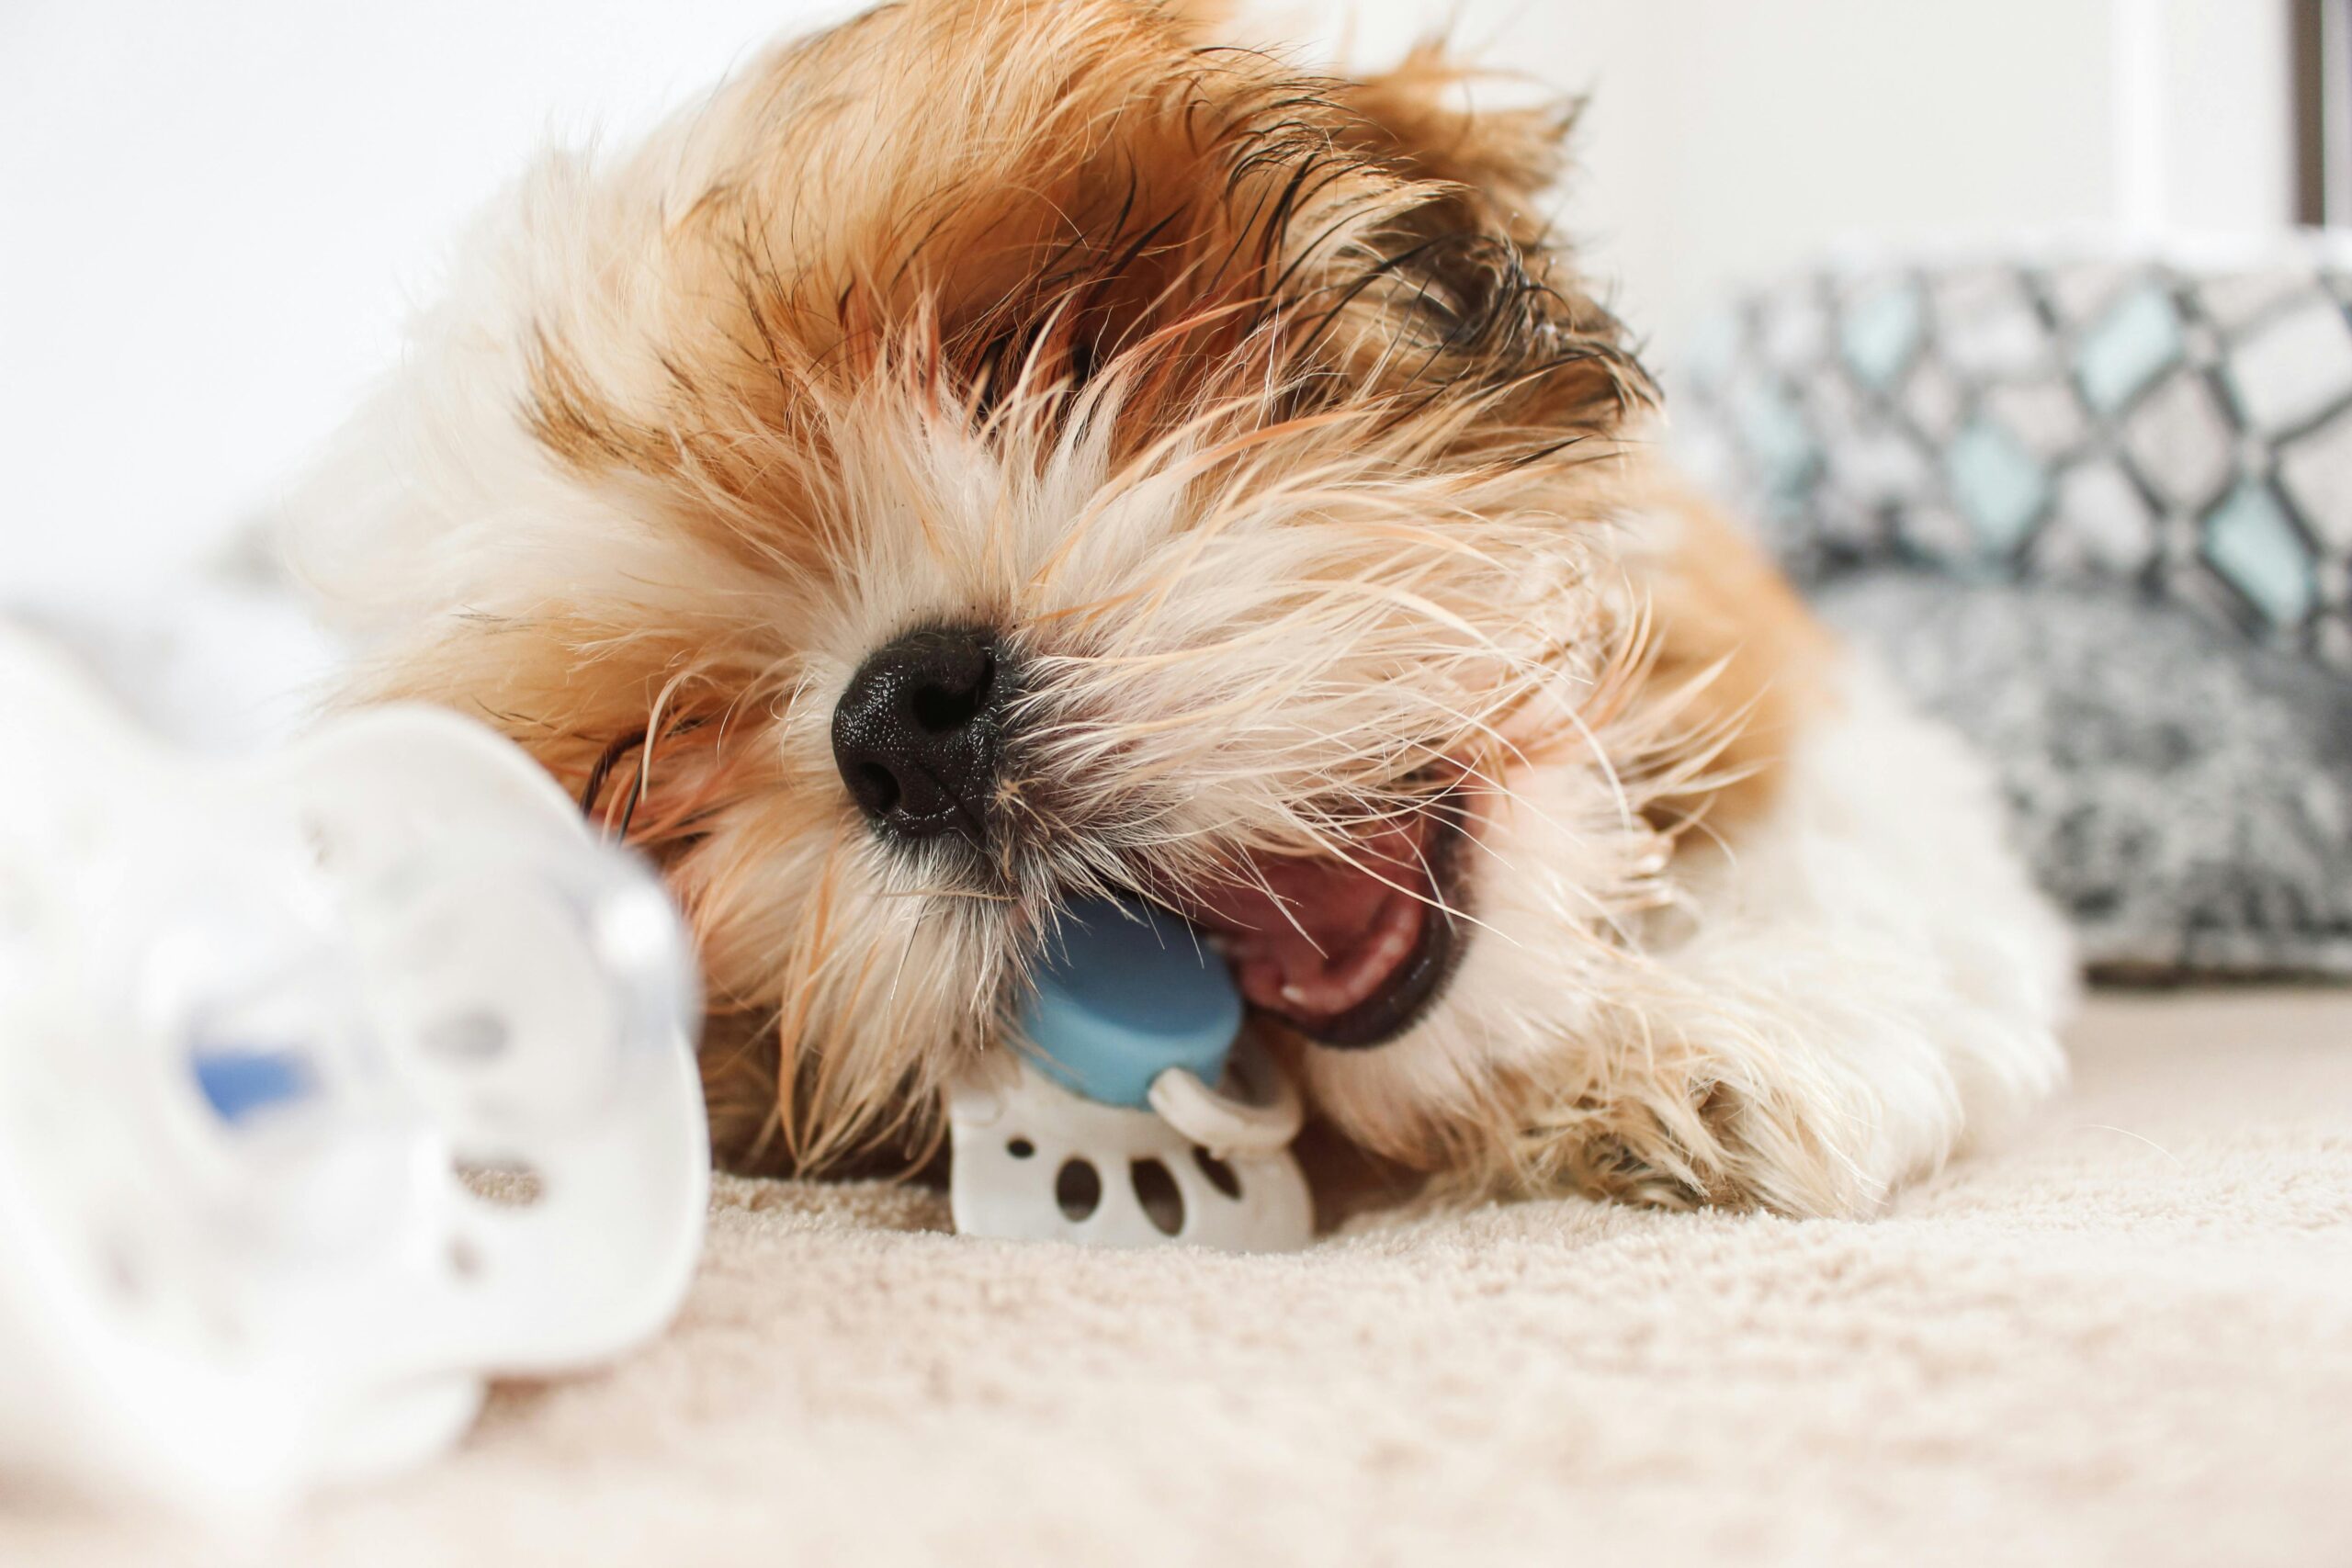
[
  {"x": 331, "y": 1084},
  {"x": 1136, "y": 1115}
]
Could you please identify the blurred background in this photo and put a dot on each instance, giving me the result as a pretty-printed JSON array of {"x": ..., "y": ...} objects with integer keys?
[
  {"x": 1995, "y": 317},
  {"x": 2021, "y": 329},
  {"x": 212, "y": 218}
]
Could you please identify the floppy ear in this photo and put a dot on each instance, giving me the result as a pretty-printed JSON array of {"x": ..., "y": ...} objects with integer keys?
[
  {"x": 1504, "y": 159},
  {"x": 1455, "y": 282},
  {"x": 638, "y": 724},
  {"x": 651, "y": 786}
]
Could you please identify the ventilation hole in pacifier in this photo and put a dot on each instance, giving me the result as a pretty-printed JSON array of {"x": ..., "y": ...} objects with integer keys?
[
  {"x": 1156, "y": 1189},
  {"x": 1020, "y": 1148},
  {"x": 509, "y": 1184},
  {"x": 466, "y": 1036},
  {"x": 1221, "y": 1175},
  {"x": 464, "y": 1258},
  {"x": 1078, "y": 1187}
]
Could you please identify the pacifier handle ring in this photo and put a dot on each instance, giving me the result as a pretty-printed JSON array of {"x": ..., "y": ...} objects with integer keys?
[{"x": 1223, "y": 1124}]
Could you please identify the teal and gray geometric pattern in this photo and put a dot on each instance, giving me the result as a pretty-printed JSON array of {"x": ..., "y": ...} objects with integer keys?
[{"x": 2184, "y": 429}]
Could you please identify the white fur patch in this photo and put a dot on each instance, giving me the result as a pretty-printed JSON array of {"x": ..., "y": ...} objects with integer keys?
[{"x": 1862, "y": 980}]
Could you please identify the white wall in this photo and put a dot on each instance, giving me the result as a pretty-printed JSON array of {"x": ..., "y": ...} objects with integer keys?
[
  {"x": 2222, "y": 154},
  {"x": 211, "y": 215},
  {"x": 1730, "y": 138}
]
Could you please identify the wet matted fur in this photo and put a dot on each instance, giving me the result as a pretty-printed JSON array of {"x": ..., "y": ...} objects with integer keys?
[{"x": 1303, "y": 483}]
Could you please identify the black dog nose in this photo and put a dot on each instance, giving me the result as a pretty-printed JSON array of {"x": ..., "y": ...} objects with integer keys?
[{"x": 916, "y": 736}]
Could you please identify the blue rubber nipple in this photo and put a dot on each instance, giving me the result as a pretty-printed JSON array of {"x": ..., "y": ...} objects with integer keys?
[
  {"x": 1124, "y": 992},
  {"x": 240, "y": 1083}
]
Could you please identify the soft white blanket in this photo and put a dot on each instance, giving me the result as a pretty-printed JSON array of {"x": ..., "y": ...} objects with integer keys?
[{"x": 2128, "y": 1340}]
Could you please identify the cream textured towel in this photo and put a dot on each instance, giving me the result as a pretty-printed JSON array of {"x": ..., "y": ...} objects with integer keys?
[{"x": 2127, "y": 1338}]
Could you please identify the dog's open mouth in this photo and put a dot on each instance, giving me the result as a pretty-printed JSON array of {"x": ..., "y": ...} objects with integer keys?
[{"x": 1349, "y": 952}]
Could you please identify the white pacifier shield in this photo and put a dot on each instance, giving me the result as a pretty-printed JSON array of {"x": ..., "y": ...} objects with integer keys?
[
  {"x": 1035, "y": 1162},
  {"x": 1133, "y": 1115}
]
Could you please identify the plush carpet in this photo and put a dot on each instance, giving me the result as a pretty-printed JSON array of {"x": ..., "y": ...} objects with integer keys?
[{"x": 2126, "y": 1338}]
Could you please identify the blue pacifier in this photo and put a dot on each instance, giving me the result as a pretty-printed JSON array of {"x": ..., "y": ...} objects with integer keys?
[
  {"x": 1125, "y": 993},
  {"x": 1129, "y": 1109}
]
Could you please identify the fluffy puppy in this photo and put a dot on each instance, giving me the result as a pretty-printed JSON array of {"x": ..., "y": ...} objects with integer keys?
[{"x": 990, "y": 453}]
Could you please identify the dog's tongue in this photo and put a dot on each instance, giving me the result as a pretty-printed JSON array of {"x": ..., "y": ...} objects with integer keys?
[{"x": 1311, "y": 939}]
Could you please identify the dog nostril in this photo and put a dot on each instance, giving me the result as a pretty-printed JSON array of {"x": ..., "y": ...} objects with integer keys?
[
  {"x": 916, "y": 734},
  {"x": 942, "y": 708},
  {"x": 875, "y": 788}
]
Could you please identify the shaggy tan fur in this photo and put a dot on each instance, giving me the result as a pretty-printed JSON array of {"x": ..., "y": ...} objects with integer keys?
[{"x": 1257, "y": 409}]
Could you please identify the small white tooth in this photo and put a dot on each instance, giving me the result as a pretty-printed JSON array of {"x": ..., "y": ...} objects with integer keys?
[{"x": 1295, "y": 995}]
